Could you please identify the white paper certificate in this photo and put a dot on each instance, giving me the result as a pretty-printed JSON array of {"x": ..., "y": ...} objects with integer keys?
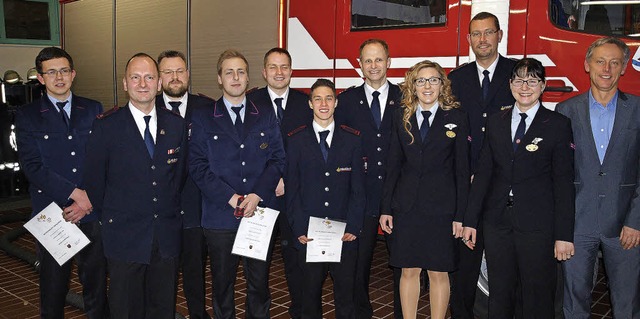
[
  {"x": 326, "y": 245},
  {"x": 254, "y": 234},
  {"x": 60, "y": 238}
]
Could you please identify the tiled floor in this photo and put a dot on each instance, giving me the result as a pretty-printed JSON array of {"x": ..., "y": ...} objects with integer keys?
[{"x": 19, "y": 285}]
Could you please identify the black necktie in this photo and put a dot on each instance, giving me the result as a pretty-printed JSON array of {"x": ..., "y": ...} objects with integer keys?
[
  {"x": 238, "y": 122},
  {"x": 148, "y": 139},
  {"x": 424, "y": 129},
  {"x": 324, "y": 147},
  {"x": 279, "y": 109},
  {"x": 65, "y": 117},
  {"x": 175, "y": 107},
  {"x": 485, "y": 84},
  {"x": 522, "y": 127},
  {"x": 375, "y": 108}
]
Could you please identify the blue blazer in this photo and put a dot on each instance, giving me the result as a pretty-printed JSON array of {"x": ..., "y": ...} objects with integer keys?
[
  {"x": 354, "y": 111},
  {"x": 191, "y": 200},
  {"x": 222, "y": 163},
  {"x": 465, "y": 85},
  {"x": 296, "y": 113},
  {"x": 52, "y": 156},
  {"x": 334, "y": 189},
  {"x": 138, "y": 196},
  {"x": 607, "y": 194}
]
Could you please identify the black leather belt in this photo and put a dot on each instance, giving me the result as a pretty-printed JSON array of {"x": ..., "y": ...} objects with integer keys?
[{"x": 510, "y": 201}]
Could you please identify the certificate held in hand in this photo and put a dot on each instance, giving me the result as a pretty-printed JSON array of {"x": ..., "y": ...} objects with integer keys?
[
  {"x": 59, "y": 237},
  {"x": 254, "y": 234},
  {"x": 326, "y": 245}
]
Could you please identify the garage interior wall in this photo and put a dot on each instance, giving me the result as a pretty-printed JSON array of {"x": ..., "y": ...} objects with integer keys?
[{"x": 100, "y": 34}]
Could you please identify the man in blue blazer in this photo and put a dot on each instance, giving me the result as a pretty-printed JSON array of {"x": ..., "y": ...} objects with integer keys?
[
  {"x": 236, "y": 158},
  {"x": 134, "y": 173},
  {"x": 175, "y": 84},
  {"x": 292, "y": 111},
  {"x": 480, "y": 96},
  {"x": 51, "y": 135},
  {"x": 605, "y": 123},
  {"x": 369, "y": 109},
  {"x": 331, "y": 157}
]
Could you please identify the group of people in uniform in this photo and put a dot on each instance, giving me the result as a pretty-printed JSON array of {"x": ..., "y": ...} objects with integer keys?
[{"x": 448, "y": 166}]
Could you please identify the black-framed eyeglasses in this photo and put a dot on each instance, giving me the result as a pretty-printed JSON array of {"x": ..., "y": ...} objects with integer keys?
[
  {"x": 53, "y": 72},
  {"x": 420, "y": 82},
  {"x": 530, "y": 82}
]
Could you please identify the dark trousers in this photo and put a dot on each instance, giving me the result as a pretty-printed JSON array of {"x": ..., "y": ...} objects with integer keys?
[
  {"x": 92, "y": 272},
  {"x": 193, "y": 262},
  {"x": 464, "y": 280},
  {"x": 522, "y": 270},
  {"x": 342, "y": 274},
  {"x": 224, "y": 267},
  {"x": 292, "y": 268},
  {"x": 366, "y": 246},
  {"x": 146, "y": 291}
]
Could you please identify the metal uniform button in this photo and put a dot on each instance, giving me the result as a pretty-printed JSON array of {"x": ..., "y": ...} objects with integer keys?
[
  {"x": 379, "y": 176},
  {"x": 484, "y": 114},
  {"x": 73, "y": 153},
  {"x": 154, "y": 183},
  {"x": 153, "y": 167},
  {"x": 379, "y": 163},
  {"x": 326, "y": 204},
  {"x": 46, "y": 137},
  {"x": 379, "y": 135},
  {"x": 244, "y": 180},
  {"x": 215, "y": 137},
  {"x": 241, "y": 145},
  {"x": 182, "y": 212},
  {"x": 261, "y": 133},
  {"x": 326, "y": 174},
  {"x": 155, "y": 215},
  {"x": 379, "y": 149},
  {"x": 483, "y": 129},
  {"x": 243, "y": 163},
  {"x": 39, "y": 191},
  {"x": 110, "y": 220},
  {"x": 326, "y": 189},
  {"x": 74, "y": 170},
  {"x": 70, "y": 137},
  {"x": 155, "y": 199}
]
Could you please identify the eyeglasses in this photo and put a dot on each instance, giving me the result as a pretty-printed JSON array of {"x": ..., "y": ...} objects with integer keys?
[
  {"x": 420, "y": 82},
  {"x": 52, "y": 72},
  {"x": 530, "y": 83},
  {"x": 178, "y": 72},
  {"x": 486, "y": 33}
]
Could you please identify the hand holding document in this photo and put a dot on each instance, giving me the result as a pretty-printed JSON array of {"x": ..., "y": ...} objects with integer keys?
[
  {"x": 326, "y": 244},
  {"x": 254, "y": 234},
  {"x": 60, "y": 238}
]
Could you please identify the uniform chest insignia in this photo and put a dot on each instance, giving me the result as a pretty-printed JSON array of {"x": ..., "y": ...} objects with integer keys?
[
  {"x": 450, "y": 127},
  {"x": 506, "y": 107},
  {"x": 534, "y": 144},
  {"x": 343, "y": 169},
  {"x": 173, "y": 150},
  {"x": 264, "y": 146},
  {"x": 450, "y": 134},
  {"x": 172, "y": 160},
  {"x": 392, "y": 102},
  {"x": 162, "y": 132}
]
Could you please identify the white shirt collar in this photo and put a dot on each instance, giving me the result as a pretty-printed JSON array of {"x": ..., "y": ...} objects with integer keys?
[
  {"x": 491, "y": 69},
  {"x": 433, "y": 110},
  {"x": 317, "y": 129},
  {"x": 274, "y": 95},
  {"x": 138, "y": 117},
  {"x": 183, "y": 103}
]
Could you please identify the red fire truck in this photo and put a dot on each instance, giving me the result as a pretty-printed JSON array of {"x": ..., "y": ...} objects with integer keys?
[{"x": 324, "y": 36}]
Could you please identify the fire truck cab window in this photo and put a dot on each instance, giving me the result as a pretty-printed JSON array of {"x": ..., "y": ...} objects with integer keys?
[
  {"x": 597, "y": 17},
  {"x": 367, "y": 14}
]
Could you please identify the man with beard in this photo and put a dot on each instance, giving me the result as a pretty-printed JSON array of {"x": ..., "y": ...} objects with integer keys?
[
  {"x": 290, "y": 107},
  {"x": 236, "y": 158},
  {"x": 482, "y": 87},
  {"x": 175, "y": 83}
]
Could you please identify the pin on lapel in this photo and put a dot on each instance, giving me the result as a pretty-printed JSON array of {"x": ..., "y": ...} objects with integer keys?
[
  {"x": 161, "y": 131},
  {"x": 534, "y": 144},
  {"x": 450, "y": 127},
  {"x": 264, "y": 146}
]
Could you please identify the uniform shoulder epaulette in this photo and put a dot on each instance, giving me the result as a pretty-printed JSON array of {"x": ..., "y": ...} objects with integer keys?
[
  {"x": 349, "y": 88},
  {"x": 350, "y": 130},
  {"x": 459, "y": 66},
  {"x": 107, "y": 113},
  {"x": 296, "y": 130}
]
